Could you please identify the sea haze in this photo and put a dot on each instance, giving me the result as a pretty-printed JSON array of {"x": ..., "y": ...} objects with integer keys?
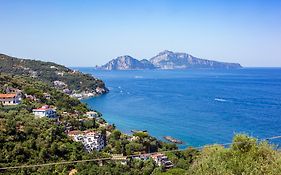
[{"x": 197, "y": 106}]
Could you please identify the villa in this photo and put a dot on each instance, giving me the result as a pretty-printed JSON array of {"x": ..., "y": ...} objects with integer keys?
[
  {"x": 92, "y": 114},
  {"x": 162, "y": 160},
  {"x": 45, "y": 111},
  {"x": 142, "y": 157},
  {"x": 10, "y": 99},
  {"x": 91, "y": 140}
]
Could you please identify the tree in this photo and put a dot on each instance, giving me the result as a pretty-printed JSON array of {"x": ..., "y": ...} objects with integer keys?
[{"x": 245, "y": 156}]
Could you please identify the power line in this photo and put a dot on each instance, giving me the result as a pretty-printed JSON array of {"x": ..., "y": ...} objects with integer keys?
[
  {"x": 129, "y": 156},
  {"x": 55, "y": 163}
]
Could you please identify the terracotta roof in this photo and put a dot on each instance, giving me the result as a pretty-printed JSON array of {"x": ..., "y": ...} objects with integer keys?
[
  {"x": 75, "y": 132},
  {"x": 157, "y": 155},
  {"x": 87, "y": 132},
  {"x": 90, "y": 132},
  {"x": 7, "y": 95}
]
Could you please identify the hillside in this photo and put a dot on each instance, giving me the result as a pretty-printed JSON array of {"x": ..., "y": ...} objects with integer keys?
[
  {"x": 166, "y": 60},
  {"x": 53, "y": 74},
  {"x": 36, "y": 91},
  {"x": 26, "y": 139}
]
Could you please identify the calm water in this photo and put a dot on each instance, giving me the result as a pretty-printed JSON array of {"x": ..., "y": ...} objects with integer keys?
[{"x": 197, "y": 106}]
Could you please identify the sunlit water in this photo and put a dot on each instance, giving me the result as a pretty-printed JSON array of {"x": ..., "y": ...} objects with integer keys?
[{"x": 196, "y": 106}]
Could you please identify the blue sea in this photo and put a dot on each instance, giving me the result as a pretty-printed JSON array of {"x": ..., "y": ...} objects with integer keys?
[{"x": 196, "y": 106}]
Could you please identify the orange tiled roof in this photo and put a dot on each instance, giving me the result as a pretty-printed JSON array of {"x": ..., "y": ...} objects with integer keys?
[
  {"x": 7, "y": 95},
  {"x": 75, "y": 132},
  {"x": 87, "y": 132}
]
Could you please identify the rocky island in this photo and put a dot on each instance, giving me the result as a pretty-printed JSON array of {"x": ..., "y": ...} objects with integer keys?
[
  {"x": 74, "y": 139},
  {"x": 166, "y": 60},
  {"x": 41, "y": 123}
]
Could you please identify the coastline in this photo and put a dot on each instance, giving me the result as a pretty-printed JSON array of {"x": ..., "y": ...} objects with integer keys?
[{"x": 157, "y": 102}]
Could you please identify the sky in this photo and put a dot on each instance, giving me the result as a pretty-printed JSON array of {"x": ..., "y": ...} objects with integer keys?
[{"x": 89, "y": 33}]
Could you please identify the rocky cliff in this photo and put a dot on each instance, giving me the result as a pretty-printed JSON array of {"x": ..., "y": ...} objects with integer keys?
[
  {"x": 174, "y": 60},
  {"x": 127, "y": 63}
]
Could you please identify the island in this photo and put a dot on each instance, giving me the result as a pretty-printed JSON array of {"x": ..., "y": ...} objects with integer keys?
[
  {"x": 166, "y": 60},
  {"x": 45, "y": 130}
]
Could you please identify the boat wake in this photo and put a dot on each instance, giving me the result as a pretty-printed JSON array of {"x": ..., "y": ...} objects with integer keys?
[{"x": 220, "y": 99}]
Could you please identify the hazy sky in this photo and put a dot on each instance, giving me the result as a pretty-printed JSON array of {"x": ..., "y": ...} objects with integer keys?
[{"x": 86, "y": 33}]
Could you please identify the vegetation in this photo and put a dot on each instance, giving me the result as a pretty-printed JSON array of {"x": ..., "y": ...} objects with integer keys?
[
  {"x": 245, "y": 156},
  {"x": 119, "y": 143},
  {"x": 49, "y": 72},
  {"x": 37, "y": 89},
  {"x": 26, "y": 140}
]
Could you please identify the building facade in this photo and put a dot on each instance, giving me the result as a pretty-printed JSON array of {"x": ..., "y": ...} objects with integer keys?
[
  {"x": 9, "y": 99},
  {"x": 91, "y": 140},
  {"x": 92, "y": 114},
  {"x": 162, "y": 160},
  {"x": 45, "y": 111}
]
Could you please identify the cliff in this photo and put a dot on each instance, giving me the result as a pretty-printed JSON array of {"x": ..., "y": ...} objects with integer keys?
[{"x": 127, "y": 63}]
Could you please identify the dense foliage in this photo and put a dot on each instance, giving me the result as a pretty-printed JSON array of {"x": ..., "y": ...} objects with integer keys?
[
  {"x": 26, "y": 140},
  {"x": 245, "y": 156},
  {"x": 37, "y": 89},
  {"x": 49, "y": 72}
]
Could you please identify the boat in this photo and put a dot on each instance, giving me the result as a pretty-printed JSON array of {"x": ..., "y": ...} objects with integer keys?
[{"x": 173, "y": 140}]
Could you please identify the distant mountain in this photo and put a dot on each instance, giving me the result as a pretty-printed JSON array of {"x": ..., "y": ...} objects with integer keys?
[
  {"x": 53, "y": 74},
  {"x": 127, "y": 63},
  {"x": 166, "y": 60},
  {"x": 174, "y": 60}
]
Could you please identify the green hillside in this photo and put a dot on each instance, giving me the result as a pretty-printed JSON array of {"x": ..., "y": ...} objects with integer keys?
[
  {"x": 26, "y": 140},
  {"x": 49, "y": 72}
]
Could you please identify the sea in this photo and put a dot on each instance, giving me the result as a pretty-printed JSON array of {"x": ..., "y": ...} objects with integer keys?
[{"x": 199, "y": 107}]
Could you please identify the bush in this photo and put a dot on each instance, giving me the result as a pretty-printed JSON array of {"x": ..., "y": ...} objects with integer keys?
[{"x": 245, "y": 156}]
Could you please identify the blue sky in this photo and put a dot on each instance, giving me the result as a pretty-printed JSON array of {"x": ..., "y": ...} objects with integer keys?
[{"x": 87, "y": 33}]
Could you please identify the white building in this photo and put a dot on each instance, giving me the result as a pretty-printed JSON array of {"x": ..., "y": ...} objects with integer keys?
[
  {"x": 162, "y": 160},
  {"x": 9, "y": 99},
  {"x": 59, "y": 84},
  {"x": 45, "y": 111},
  {"x": 92, "y": 114},
  {"x": 91, "y": 140}
]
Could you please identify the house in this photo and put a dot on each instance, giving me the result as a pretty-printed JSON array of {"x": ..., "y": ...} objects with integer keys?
[
  {"x": 59, "y": 84},
  {"x": 47, "y": 96},
  {"x": 91, "y": 140},
  {"x": 45, "y": 111},
  {"x": 162, "y": 160},
  {"x": 67, "y": 91},
  {"x": 142, "y": 157},
  {"x": 92, "y": 114},
  {"x": 10, "y": 99}
]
